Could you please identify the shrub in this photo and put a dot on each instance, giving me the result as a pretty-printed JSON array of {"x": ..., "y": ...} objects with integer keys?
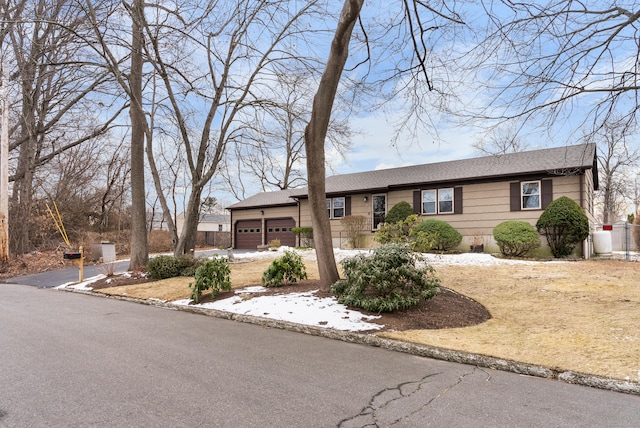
[
  {"x": 396, "y": 233},
  {"x": 564, "y": 224},
  {"x": 444, "y": 236},
  {"x": 353, "y": 226},
  {"x": 214, "y": 275},
  {"x": 162, "y": 267},
  {"x": 399, "y": 212},
  {"x": 305, "y": 235},
  {"x": 287, "y": 268},
  {"x": 386, "y": 280},
  {"x": 188, "y": 264},
  {"x": 516, "y": 238}
]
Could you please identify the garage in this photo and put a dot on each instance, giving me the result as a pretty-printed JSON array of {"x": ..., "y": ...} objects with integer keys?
[
  {"x": 248, "y": 234},
  {"x": 282, "y": 229}
]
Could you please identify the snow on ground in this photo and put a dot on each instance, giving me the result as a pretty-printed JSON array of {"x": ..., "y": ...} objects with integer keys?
[{"x": 300, "y": 308}]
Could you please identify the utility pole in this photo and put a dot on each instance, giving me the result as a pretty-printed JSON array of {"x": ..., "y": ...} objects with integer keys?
[{"x": 4, "y": 171}]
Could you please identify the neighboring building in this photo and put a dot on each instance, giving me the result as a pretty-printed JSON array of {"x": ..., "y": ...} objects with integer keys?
[
  {"x": 473, "y": 195},
  {"x": 214, "y": 229}
]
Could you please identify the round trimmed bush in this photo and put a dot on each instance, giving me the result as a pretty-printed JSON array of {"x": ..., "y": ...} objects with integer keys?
[
  {"x": 564, "y": 224},
  {"x": 399, "y": 212},
  {"x": 440, "y": 235},
  {"x": 516, "y": 238}
]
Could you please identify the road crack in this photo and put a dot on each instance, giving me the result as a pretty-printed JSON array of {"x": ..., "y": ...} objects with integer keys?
[{"x": 370, "y": 415}]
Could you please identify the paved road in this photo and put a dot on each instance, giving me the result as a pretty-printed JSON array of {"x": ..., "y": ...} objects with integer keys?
[
  {"x": 55, "y": 278},
  {"x": 69, "y": 359}
]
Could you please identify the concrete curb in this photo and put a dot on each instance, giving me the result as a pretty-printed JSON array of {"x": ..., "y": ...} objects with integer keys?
[{"x": 572, "y": 377}]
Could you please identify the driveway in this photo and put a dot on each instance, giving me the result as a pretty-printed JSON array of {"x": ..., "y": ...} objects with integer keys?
[{"x": 75, "y": 360}]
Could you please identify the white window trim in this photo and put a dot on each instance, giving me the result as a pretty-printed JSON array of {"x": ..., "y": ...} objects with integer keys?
[
  {"x": 522, "y": 195},
  {"x": 437, "y": 201},
  {"x": 331, "y": 207}
]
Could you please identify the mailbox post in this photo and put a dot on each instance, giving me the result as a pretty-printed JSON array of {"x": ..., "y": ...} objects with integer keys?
[{"x": 78, "y": 257}]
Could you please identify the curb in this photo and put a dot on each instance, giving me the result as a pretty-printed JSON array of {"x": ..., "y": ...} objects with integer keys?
[{"x": 461, "y": 357}]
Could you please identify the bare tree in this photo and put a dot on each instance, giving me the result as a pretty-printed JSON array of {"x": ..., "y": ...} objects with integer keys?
[
  {"x": 500, "y": 141},
  {"x": 239, "y": 53},
  {"x": 54, "y": 86},
  {"x": 412, "y": 73},
  {"x": 271, "y": 147},
  {"x": 564, "y": 63},
  {"x": 615, "y": 157}
]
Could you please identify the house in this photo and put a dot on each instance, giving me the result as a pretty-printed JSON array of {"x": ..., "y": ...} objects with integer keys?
[{"x": 473, "y": 195}]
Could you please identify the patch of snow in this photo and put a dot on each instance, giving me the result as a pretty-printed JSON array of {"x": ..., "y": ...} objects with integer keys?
[
  {"x": 84, "y": 285},
  {"x": 300, "y": 308}
]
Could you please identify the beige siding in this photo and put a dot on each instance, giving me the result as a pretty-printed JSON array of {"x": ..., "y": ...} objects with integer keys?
[{"x": 485, "y": 205}]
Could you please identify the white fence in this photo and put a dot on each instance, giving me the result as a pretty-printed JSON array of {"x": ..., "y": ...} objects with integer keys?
[{"x": 622, "y": 240}]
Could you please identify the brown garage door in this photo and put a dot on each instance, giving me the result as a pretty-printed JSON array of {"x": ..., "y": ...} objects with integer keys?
[
  {"x": 248, "y": 234},
  {"x": 281, "y": 228}
]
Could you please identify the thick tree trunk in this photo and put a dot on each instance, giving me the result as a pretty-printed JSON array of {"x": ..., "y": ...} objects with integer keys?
[
  {"x": 315, "y": 140},
  {"x": 139, "y": 244},
  {"x": 188, "y": 234}
]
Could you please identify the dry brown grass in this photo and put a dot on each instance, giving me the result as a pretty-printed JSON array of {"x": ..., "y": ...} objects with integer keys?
[
  {"x": 243, "y": 274},
  {"x": 582, "y": 316}
]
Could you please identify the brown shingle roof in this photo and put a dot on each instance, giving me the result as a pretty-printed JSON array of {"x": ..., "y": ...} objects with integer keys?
[{"x": 555, "y": 160}]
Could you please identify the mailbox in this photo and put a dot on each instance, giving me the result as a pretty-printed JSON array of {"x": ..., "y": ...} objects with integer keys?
[{"x": 72, "y": 255}]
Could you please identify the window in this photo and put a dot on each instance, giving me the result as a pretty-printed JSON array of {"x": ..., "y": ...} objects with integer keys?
[
  {"x": 379, "y": 204},
  {"x": 219, "y": 228},
  {"x": 437, "y": 201},
  {"x": 335, "y": 207},
  {"x": 530, "y": 195}
]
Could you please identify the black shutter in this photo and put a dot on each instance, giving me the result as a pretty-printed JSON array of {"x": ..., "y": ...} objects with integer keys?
[
  {"x": 457, "y": 200},
  {"x": 547, "y": 193},
  {"x": 347, "y": 205},
  {"x": 417, "y": 202},
  {"x": 515, "y": 196}
]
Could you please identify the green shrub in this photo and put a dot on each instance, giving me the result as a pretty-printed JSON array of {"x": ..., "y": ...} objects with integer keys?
[
  {"x": 444, "y": 236},
  {"x": 287, "y": 268},
  {"x": 516, "y": 238},
  {"x": 162, "y": 267},
  {"x": 399, "y": 212},
  {"x": 188, "y": 264},
  {"x": 396, "y": 233},
  {"x": 214, "y": 275},
  {"x": 386, "y": 280},
  {"x": 564, "y": 224}
]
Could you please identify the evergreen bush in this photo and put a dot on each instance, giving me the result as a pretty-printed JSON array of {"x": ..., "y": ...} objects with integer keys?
[
  {"x": 399, "y": 212},
  {"x": 516, "y": 238},
  {"x": 188, "y": 264},
  {"x": 386, "y": 280},
  {"x": 287, "y": 268},
  {"x": 162, "y": 267},
  {"x": 214, "y": 275},
  {"x": 564, "y": 224},
  {"x": 444, "y": 236}
]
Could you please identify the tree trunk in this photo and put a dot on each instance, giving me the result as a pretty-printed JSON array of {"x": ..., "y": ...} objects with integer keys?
[
  {"x": 139, "y": 245},
  {"x": 188, "y": 234},
  {"x": 315, "y": 139}
]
